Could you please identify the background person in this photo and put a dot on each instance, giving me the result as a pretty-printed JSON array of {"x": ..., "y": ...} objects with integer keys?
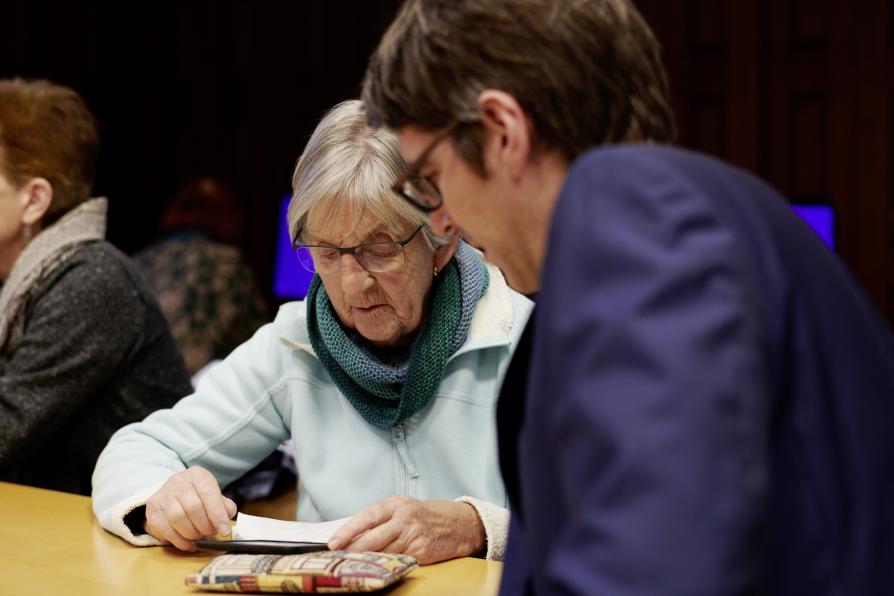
[
  {"x": 204, "y": 285},
  {"x": 84, "y": 348}
]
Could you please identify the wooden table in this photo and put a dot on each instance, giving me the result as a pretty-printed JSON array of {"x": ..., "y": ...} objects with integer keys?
[{"x": 50, "y": 543}]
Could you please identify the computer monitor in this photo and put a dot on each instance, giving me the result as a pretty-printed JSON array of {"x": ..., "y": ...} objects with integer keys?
[
  {"x": 290, "y": 279},
  {"x": 821, "y": 218}
]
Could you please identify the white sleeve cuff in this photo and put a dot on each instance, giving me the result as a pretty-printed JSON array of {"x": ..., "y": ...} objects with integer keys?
[
  {"x": 495, "y": 520},
  {"x": 113, "y": 520}
]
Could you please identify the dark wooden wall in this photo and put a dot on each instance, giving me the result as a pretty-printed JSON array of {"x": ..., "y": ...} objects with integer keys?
[
  {"x": 796, "y": 91},
  {"x": 800, "y": 93},
  {"x": 230, "y": 88}
]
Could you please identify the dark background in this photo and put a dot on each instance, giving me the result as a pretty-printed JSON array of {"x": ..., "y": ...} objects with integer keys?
[{"x": 797, "y": 91}]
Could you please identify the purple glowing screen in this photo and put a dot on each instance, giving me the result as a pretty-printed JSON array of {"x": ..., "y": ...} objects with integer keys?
[
  {"x": 290, "y": 279},
  {"x": 821, "y": 218}
]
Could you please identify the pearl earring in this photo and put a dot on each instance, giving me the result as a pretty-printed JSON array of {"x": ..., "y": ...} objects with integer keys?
[{"x": 436, "y": 271}]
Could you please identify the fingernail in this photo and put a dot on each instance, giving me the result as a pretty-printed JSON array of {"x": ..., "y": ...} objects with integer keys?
[
  {"x": 334, "y": 544},
  {"x": 223, "y": 530}
]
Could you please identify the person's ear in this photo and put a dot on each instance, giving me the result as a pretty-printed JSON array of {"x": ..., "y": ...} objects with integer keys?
[
  {"x": 507, "y": 143},
  {"x": 36, "y": 196},
  {"x": 445, "y": 253}
]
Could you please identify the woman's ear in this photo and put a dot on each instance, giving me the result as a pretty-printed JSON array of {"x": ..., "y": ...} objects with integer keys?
[
  {"x": 445, "y": 253},
  {"x": 36, "y": 196}
]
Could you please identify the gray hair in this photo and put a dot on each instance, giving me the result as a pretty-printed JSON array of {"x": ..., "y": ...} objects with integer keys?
[{"x": 348, "y": 163}]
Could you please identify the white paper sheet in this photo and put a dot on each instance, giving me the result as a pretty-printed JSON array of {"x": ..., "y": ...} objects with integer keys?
[{"x": 252, "y": 527}]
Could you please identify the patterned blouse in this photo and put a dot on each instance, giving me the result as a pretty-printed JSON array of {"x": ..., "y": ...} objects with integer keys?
[{"x": 207, "y": 292}]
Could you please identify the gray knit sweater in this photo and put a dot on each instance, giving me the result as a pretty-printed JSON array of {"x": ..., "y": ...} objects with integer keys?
[{"x": 95, "y": 354}]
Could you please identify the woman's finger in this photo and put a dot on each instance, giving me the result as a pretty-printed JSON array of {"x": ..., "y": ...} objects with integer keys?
[
  {"x": 194, "y": 508},
  {"x": 230, "y": 505},
  {"x": 371, "y": 517},
  {"x": 376, "y": 539},
  {"x": 178, "y": 519},
  {"x": 214, "y": 506},
  {"x": 158, "y": 526}
]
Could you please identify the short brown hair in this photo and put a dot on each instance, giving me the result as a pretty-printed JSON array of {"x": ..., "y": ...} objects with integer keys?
[
  {"x": 206, "y": 203},
  {"x": 47, "y": 131},
  {"x": 587, "y": 72}
]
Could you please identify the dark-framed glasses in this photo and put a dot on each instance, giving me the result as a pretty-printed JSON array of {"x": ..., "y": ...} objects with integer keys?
[
  {"x": 375, "y": 257},
  {"x": 417, "y": 188}
]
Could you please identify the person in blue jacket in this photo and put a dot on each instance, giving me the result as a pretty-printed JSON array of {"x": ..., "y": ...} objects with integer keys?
[{"x": 703, "y": 399}]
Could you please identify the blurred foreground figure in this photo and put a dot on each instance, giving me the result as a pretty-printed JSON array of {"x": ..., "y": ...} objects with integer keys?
[{"x": 702, "y": 402}]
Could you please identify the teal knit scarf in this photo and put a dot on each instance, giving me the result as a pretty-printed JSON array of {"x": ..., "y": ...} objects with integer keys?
[{"x": 385, "y": 394}]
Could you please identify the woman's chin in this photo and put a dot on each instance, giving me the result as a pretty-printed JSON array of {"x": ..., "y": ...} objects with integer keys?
[
  {"x": 382, "y": 336},
  {"x": 381, "y": 340},
  {"x": 378, "y": 335}
]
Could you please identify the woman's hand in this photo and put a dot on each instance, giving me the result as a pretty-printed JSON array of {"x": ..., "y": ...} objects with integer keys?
[
  {"x": 187, "y": 507},
  {"x": 430, "y": 531}
]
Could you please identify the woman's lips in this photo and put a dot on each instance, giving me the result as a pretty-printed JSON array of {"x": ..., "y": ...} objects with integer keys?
[{"x": 367, "y": 309}]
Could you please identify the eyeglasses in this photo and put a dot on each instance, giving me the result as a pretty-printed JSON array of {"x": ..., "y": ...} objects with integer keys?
[
  {"x": 375, "y": 257},
  {"x": 419, "y": 190}
]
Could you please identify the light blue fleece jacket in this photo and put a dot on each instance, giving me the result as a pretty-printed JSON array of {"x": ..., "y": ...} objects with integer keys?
[{"x": 273, "y": 388}]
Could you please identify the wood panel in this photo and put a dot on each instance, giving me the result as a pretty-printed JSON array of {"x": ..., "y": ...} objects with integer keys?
[{"x": 798, "y": 92}]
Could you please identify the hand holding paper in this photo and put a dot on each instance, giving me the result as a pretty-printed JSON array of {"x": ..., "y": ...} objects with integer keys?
[
  {"x": 430, "y": 530},
  {"x": 188, "y": 506}
]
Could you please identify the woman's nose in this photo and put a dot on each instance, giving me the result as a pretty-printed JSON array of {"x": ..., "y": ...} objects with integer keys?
[{"x": 353, "y": 275}]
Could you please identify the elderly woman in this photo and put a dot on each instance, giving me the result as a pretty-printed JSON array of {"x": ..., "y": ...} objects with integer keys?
[
  {"x": 84, "y": 347},
  {"x": 385, "y": 378}
]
